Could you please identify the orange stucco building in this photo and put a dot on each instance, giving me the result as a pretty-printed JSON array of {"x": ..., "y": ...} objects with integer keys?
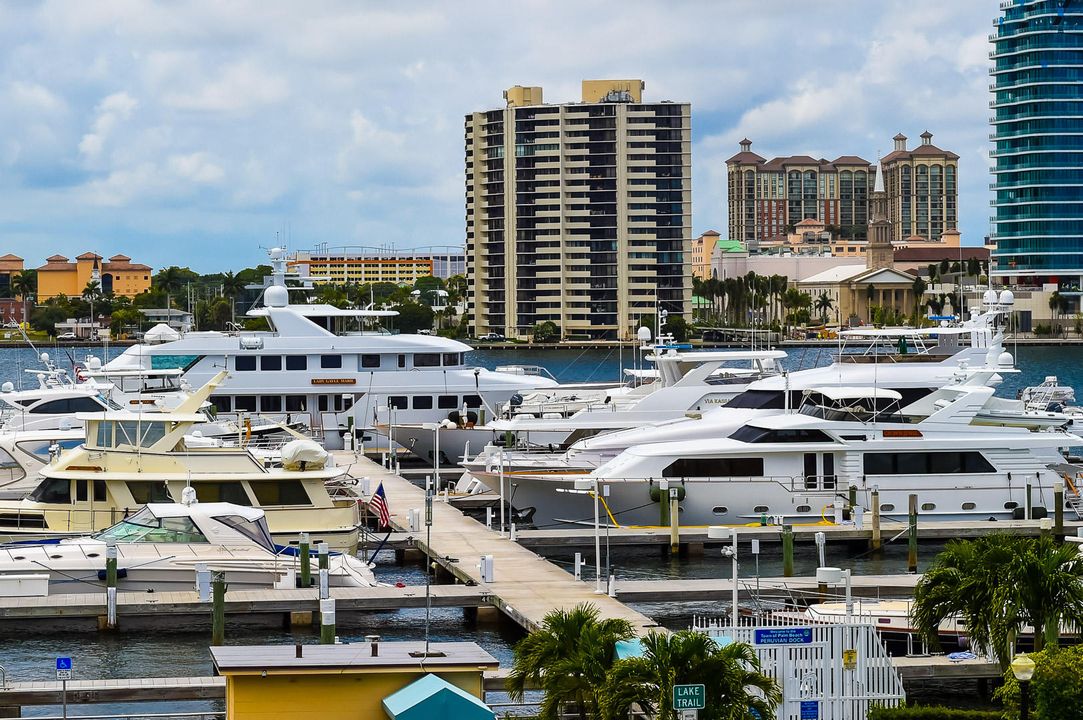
[{"x": 118, "y": 275}]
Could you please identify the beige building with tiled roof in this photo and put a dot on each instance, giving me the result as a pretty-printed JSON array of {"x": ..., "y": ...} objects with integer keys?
[
  {"x": 118, "y": 275},
  {"x": 922, "y": 190}
]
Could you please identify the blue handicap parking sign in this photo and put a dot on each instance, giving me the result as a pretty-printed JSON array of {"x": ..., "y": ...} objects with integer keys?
[{"x": 63, "y": 663}]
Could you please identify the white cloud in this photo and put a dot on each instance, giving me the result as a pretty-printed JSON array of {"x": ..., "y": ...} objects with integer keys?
[
  {"x": 197, "y": 167},
  {"x": 111, "y": 111},
  {"x": 239, "y": 87}
]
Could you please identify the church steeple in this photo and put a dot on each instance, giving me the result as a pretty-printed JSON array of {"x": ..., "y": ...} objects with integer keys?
[{"x": 879, "y": 252}]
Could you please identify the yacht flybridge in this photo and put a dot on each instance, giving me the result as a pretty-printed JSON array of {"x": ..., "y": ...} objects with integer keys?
[
  {"x": 161, "y": 546},
  {"x": 332, "y": 368},
  {"x": 131, "y": 459},
  {"x": 793, "y": 466}
]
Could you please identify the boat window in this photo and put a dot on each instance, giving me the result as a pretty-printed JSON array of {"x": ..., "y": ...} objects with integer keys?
[
  {"x": 715, "y": 467},
  {"x": 80, "y": 491},
  {"x": 804, "y": 508},
  {"x": 6, "y": 461},
  {"x": 40, "y": 448},
  {"x": 925, "y": 463},
  {"x": 244, "y": 403},
  {"x": 99, "y": 491},
  {"x": 753, "y": 434},
  {"x": 761, "y": 509},
  {"x": 402, "y": 361},
  {"x": 243, "y": 363},
  {"x": 427, "y": 360},
  {"x": 295, "y": 403},
  {"x": 138, "y": 433},
  {"x": 720, "y": 510},
  {"x": 397, "y": 401},
  {"x": 324, "y": 403},
  {"x": 143, "y": 527},
  {"x": 280, "y": 492},
  {"x": 231, "y": 492},
  {"x": 66, "y": 406},
  {"x": 447, "y": 402},
  {"x": 369, "y": 360},
  {"x": 472, "y": 401},
  {"x": 1011, "y": 505},
  {"x": 297, "y": 362},
  {"x": 422, "y": 402},
  {"x": 270, "y": 362},
  {"x": 53, "y": 490},
  {"x": 254, "y": 530},
  {"x": 452, "y": 359},
  {"x": 148, "y": 491},
  {"x": 887, "y": 507},
  {"x": 270, "y": 403},
  {"x": 968, "y": 506},
  {"x": 221, "y": 403},
  {"x": 765, "y": 399},
  {"x": 330, "y": 361},
  {"x": 928, "y": 506}
]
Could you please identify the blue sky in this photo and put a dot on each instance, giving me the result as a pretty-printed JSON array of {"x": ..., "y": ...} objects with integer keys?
[{"x": 193, "y": 133}]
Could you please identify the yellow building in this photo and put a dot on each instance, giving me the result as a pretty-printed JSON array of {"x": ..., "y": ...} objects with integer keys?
[
  {"x": 339, "y": 682},
  {"x": 118, "y": 275},
  {"x": 340, "y": 268},
  {"x": 702, "y": 249}
]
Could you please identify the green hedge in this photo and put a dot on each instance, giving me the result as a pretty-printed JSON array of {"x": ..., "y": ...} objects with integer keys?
[{"x": 932, "y": 712}]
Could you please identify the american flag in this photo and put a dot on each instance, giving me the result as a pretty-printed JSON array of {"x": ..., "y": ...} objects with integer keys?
[{"x": 378, "y": 504}]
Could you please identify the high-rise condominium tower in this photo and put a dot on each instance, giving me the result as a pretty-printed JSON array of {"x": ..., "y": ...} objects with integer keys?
[{"x": 578, "y": 213}]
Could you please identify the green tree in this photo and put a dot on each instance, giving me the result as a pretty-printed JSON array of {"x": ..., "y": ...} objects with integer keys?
[
  {"x": 824, "y": 303},
  {"x": 919, "y": 287},
  {"x": 1056, "y": 690},
  {"x": 413, "y": 317},
  {"x": 732, "y": 678},
  {"x": 996, "y": 585},
  {"x": 169, "y": 280},
  {"x": 124, "y": 319},
  {"x": 546, "y": 332},
  {"x": 232, "y": 287},
  {"x": 568, "y": 658},
  {"x": 25, "y": 286},
  {"x": 678, "y": 327}
]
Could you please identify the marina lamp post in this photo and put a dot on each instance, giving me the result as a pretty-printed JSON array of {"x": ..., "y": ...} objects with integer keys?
[
  {"x": 435, "y": 427},
  {"x": 834, "y": 577},
  {"x": 590, "y": 487},
  {"x": 720, "y": 532},
  {"x": 1023, "y": 669}
]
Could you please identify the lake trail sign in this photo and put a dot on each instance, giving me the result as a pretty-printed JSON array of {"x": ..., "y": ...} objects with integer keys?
[{"x": 689, "y": 697}]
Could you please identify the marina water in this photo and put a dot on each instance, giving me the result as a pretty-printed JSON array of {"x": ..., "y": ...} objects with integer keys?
[{"x": 173, "y": 651}]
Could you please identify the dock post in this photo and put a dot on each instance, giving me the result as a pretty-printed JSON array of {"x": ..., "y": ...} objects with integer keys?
[
  {"x": 327, "y": 621},
  {"x": 674, "y": 522},
  {"x": 218, "y": 608},
  {"x": 111, "y": 585},
  {"x": 1029, "y": 513},
  {"x": 912, "y": 540},
  {"x": 875, "y": 543},
  {"x": 1045, "y": 527},
  {"x": 853, "y": 501},
  {"x": 1058, "y": 510},
  {"x": 787, "y": 550},
  {"x": 579, "y": 562},
  {"x": 663, "y": 503},
  {"x": 303, "y": 551},
  {"x": 325, "y": 570}
]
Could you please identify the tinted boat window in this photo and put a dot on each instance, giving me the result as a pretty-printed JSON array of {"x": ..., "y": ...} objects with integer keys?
[
  {"x": 715, "y": 467},
  {"x": 753, "y": 434}
]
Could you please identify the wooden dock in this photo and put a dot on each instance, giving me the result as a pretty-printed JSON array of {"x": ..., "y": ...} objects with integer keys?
[
  {"x": 525, "y": 586},
  {"x": 247, "y": 603}
]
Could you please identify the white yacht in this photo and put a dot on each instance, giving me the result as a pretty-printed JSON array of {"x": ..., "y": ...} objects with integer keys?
[
  {"x": 161, "y": 546},
  {"x": 24, "y": 453},
  {"x": 330, "y": 367},
  {"x": 792, "y": 466}
]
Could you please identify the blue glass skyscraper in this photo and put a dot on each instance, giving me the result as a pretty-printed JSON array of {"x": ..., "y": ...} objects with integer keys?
[{"x": 1038, "y": 134}]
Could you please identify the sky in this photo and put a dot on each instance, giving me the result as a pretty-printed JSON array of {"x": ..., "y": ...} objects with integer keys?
[{"x": 197, "y": 133}]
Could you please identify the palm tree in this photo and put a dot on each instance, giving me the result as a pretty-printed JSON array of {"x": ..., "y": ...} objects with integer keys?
[
  {"x": 232, "y": 286},
  {"x": 732, "y": 677},
  {"x": 996, "y": 585},
  {"x": 168, "y": 281},
  {"x": 919, "y": 287},
  {"x": 567, "y": 657},
  {"x": 823, "y": 304},
  {"x": 25, "y": 286},
  {"x": 92, "y": 292}
]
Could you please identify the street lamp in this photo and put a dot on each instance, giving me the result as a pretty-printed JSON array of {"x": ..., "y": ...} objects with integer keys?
[
  {"x": 1023, "y": 669},
  {"x": 586, "y": 486},
  {"x": 720, "y": 532}
]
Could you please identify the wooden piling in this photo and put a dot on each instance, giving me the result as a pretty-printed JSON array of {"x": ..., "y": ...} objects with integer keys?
[
  {"x": 1029, "y": 512},
  {"x": 111, "y": 586},
  {"x": 218, "y": 608},
  {"x": 787, "y": 551},
  {"x": 674, "y": 523},
  {"x": 1058, "y": 510},
  {"x": 912, "y": 540},
  {"x": 853, "y": 502},
  {"x": 303, "y": 551},
  {"x": 875, "y": 543},
  {"x": 327, "y": 621}
]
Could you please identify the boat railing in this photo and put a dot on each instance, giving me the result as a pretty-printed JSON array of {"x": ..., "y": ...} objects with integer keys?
[{"x": 531, "y": 370}]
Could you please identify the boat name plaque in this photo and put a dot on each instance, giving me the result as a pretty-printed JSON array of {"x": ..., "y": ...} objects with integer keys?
[{"x": 334, "y": 381}]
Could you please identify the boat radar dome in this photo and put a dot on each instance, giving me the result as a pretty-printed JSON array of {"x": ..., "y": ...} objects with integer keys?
[
  {"x": 1006, "y": 360},
  {"x": 94, "y": 363},
  {"x": 44, "y": 357},
  {"x": 277, "y": 253},
  {"x": 1007, "y": 297},
  {"x": 276, "y": 296},
  {"x": 990, "y": 297},
  {"x": 7, "y": 387},
  {"x": 188, "y": 496},
  {"x": 644, "y": 334}
]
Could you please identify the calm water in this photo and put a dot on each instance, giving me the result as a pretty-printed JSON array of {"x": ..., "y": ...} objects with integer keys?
[{"x": 172, "y": 651}]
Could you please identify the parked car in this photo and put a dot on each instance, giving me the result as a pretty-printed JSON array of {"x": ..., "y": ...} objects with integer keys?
[
  {"x": 424, "y": 331},
  {"x": 67, "y": 336},
  {"x": 492, "y": 337}
]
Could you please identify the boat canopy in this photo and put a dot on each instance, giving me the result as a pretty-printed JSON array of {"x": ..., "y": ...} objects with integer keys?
[{"x": 837, "y": 393}]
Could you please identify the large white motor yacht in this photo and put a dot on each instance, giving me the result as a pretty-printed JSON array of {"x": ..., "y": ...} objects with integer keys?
[
  {"x": 160, "y": 547},
  {"x": 330, "y": 367},
  {"x": 792, "y": 466}
]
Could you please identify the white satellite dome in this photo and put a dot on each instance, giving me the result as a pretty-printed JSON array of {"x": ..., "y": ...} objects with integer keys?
[
  {"x": 276, "y": 296},
  {"x": 990, "y": 297},
  {"x": 1006, "y": 360},
  {"x": 644, "y": 334},
  {"x": 1007, "y": 297},
  {"x": 94, "y": 363},
  {"x": 7, "y": 387}
]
